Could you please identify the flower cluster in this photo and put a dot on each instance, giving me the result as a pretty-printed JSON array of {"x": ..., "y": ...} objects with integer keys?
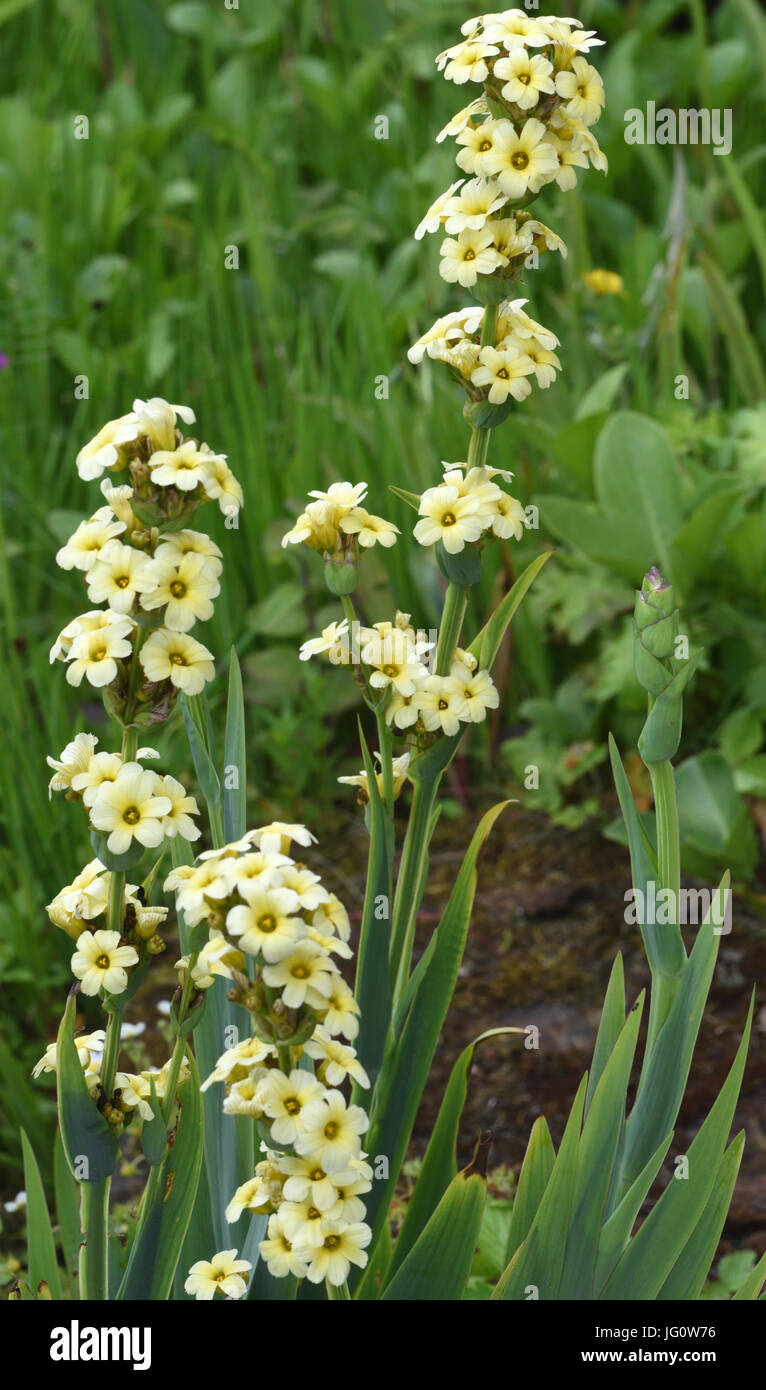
[
  {"x": 394, "y": 662},
  {"x": 137, "y": 556},
  {"x": 468, "y": 508},
  {"x": 524, "y": 349},
  {"x": 275, "y": 933},
  {"x": 529, "y": 127},
  {"x": 132, "y": 1090},
  {"x": 130, "y": 808}
]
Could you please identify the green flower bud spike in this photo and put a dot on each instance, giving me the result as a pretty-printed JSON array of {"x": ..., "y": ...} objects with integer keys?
[{"x": 662, "y": 673}]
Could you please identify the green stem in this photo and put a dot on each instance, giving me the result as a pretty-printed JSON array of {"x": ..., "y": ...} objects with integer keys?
[
  {"x": 94, "y": 1222},
  {"x": 478, "y": 448},
  {"x": 412, "y": 871},
  {"x": 386, "y": 758},
  {"x": 450, "y": 626},
  {"x": 665, "y": 985}
]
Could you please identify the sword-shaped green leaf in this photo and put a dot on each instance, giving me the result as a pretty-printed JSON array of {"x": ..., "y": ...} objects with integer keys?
[
  {"x": 439, "y": 1263},
  {"x": 162, "y": 1230},
  {"x": 651, "y": 1255},
  {"x": 439, "y": 1165},
  {"x": 539, "y": 1262},
  {"x": 41, "y": 1247}
]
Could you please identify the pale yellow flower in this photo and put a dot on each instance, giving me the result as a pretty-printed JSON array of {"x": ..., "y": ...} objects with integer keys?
[
  {"x": 130, "y": 809},
  {"x": 95, "y": 655},
  {"x": 179, "y": 658},
  {"x": 85, "y": 545},
  {"x": 222, "y": 1274},
  {"x": 522, "y": 161},
  {"x": 100, "y": 962},
  {"x": 185, "y": 590}
]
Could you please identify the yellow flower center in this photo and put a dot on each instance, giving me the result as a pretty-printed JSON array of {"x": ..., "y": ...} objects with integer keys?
[
  {"x": 98, "y": 654},
  {"x": 524, "y": 78},
  {"x": 581, "y": 90},
  {"x": 177, "y": 589},
  {"x": 122, "y": 581},
  {"x": 267, "y": 922},
  {"x": 484, "y": 145},
  {"x": 300, "y": 972},
  {"x": 469, "y": 254},
  {"x": 316, "y": 1174},
  {"x": 503, "y": 373},
  {"x": 132, "y": 815},
  {"x": 389, "y": 671},
  {"x": 103, "y": 962},
  {"x": 444, "y": 704},
  {"x": 313, "y": 1214},
  {"x": 292, "y": 1106},
  {"x": 520, "y": 160},
  {"x": 331, "y": 1129},
  {"x": 331, "y": 1242},
  {"x": 177, "y": 659},
  {"x": 449, "y": 519}
]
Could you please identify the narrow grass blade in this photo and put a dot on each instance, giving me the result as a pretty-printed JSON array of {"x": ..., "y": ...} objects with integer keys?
[
  {"x": 234, "y": 757},
  {"x": 373, "y": 980}
]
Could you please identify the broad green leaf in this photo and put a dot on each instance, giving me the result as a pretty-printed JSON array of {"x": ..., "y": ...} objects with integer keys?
[
  {"x": 637, "y": 483},
  {"x": 714, "y": 818},
  {"x": 753, "y": 1284},
  {"x": 685, "y": 1281},
  {"x": 88, "y": 1140},
  {"x": 533, "y": 1180},
  {"x": 486, "y": 644},
  {"x": 405, "y": 1072},
  {"x": 67, "y": 1206},
  {"x": 163, "y": 1226},
  {"x": 692, "y": 546},
  {"x": 41, "y": 1248},
  {"x": 373, "y": 980},
  {"x": 439, "y": 1263},
  {"x": 282, "y": 613},
  {"x": 539, "y": 1261},
  {"x": 595, "y": 1162},
  {"x": 651, "y": 1255},
  {"x": 601, "y": 395},
  {"x": 584, "y": 526},
  {"x": 440, "y": 1162},
  {"x": 234, "y": 758}
]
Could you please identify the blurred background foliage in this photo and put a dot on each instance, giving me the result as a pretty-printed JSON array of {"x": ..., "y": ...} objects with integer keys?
[{"x": 254, "y": 128}]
